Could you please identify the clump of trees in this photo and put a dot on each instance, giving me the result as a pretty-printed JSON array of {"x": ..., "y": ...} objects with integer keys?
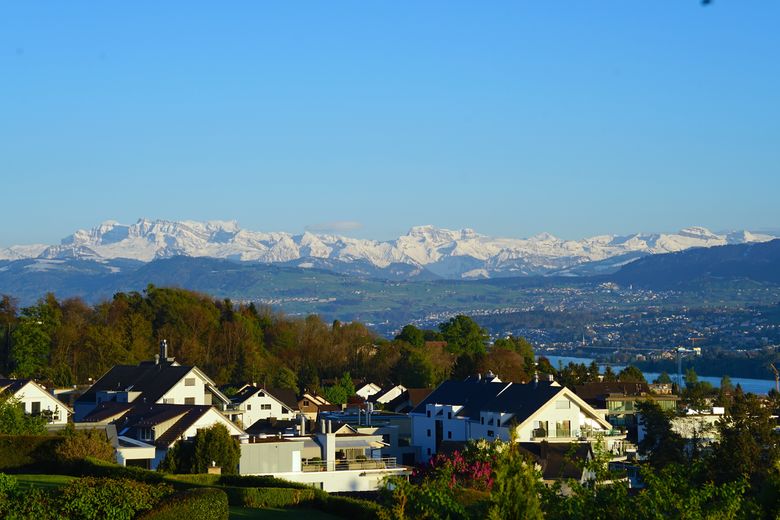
[
  {"x": 210, "y": 446},
  {"x": 69, "y": 342}
]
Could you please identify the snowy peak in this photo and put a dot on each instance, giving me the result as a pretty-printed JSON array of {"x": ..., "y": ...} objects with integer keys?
[{"x": 446, "y": 253}]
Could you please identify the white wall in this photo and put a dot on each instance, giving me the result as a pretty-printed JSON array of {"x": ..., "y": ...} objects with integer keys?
[
  {"x": 32, "y": 393},
  {"x": 339, "y": 481},
  {"x": 180, "y": 391},
  {"x": 253, "y": 409},
  {"x": 210, "y": 418}
]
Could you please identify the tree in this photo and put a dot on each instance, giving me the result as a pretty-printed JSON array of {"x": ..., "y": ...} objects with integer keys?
[
  {"x": 515, "y": 492},
  {"x": 412, "y": 335},
  {"x": 631, "y": 374},
  {"x": 749, "y": 445},
  {"x": 341, "y": 391},
  {"x": 663, "y": 379},
  {"x": 30, "y": 350},
  {"x": 13, "y": 420},
  {"x": 464, "y": 336},
  {"x": 660, "y": 444},
  {"x": 210, "y": 446}
]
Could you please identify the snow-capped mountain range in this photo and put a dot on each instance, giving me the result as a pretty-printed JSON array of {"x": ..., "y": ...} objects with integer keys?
[{"x": 424, "y": 250}]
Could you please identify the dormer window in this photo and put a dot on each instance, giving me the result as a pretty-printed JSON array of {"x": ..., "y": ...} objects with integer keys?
[{"x": 145, "y": 434}]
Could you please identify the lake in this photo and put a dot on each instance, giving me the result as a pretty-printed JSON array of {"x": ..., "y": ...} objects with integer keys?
[{"x": 756, "y": 386}]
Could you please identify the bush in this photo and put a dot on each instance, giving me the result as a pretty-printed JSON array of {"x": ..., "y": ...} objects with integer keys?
[
  {"x": 28, "y": 453},
  {"x": 90, "y": 467},
  {"x": 200, "y": 479},
  {"x": 259, "y": 481},
  {"x": 192, "y": 504},
  {"x": 112, "y": 499},
  {"x": 269, "y": 497},
  {"x": 346, "y": 507},
  {"x": 80, "y": 444}
]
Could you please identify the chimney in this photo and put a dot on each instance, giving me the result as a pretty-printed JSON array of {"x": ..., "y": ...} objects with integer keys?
[
  {"x": 330, "y": 426},
  {"x": 536, "y": 379},
  {"x": 157, "y": 359},
  {"x": 163, "y": 350},
  {"x": 302, "y": 423}
]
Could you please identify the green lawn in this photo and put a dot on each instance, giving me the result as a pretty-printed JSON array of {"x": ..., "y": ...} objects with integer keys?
[
  {"x": 246, "y": 513},
  {"x": 44, "y": 481}
]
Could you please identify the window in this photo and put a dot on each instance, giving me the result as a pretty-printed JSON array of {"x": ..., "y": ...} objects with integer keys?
[
  {"x": 248, "y": 407},
  {"x": 449, "y": 415},
  {"x": 429, "y": 433},
  {"x": 189, "y": 381},
  {"x": 305, "y": 402},
  {"x": 491, "y": 433},
  {"x": 265, "y": 406},
  {"x": 429, "y": 451},
  {"x": 563, "y": 404},
  {"x": 189, "y": 400},
  {"x": 481, "y": 420},
  {"x": 145, "y": 434},
  {"x": 169, "y": 400},
  {"x": 35, "y": 408},
  {"x": 285, "y": 411},
  {"x": 449, "y": 435},
  {"x": 563, "y": 429},
  {"x": 428, "y": 413}
]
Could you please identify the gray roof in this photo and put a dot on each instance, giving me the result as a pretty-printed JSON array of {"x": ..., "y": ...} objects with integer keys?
[
  {"x": 480, "y": 396},
  {"x": 152, "y": 380}
]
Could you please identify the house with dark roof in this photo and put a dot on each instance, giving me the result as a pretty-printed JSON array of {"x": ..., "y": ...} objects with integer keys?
[
  {"x": 142, "y": 426},
  {"x": 162, "y": 381},
  {"x": 486, "y": 408},
  {"x": 36, "y": 400},
  {"x": 617, "y": 401},
  {"x": 252, "y": 403}
]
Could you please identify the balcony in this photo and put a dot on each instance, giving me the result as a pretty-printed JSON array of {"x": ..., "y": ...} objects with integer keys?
[{"x": 308, "y": 466}]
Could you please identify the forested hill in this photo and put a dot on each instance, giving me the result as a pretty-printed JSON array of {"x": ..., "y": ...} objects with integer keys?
[{"x": 695, "y": 268}]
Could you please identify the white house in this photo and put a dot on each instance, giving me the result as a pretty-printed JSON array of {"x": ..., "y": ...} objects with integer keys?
[
  {"x": 36, "y": 400},
  {"x": 336, "y": 458},
  {"x": 252, "y": 404},
  {"x": 387, "y": 395},
  {"x": 162, "y": 381},
  {"x": 146, "y": 431},
  {"x": 490, "y": 409}
]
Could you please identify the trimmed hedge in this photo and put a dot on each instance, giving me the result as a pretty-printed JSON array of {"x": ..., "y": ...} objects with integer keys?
[
  {"x": 346, "y": 507},
  {"x": 259, "y": 481},
  {"x": 192, "y": 504},
  {"x": 28, "y": 453},
  {"x": 269, "y": 497},
  {"x": 106, "y": 498},
  {"x": 90, "y": 467}
]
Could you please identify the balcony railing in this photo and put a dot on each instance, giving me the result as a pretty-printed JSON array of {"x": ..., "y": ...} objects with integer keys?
[{"x": 349, "y": 464}]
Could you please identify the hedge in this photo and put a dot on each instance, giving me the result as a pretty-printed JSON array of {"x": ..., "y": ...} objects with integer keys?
[
  {"x": 346, "y": 507},
  {"x": 259, "y": 481},
  {"x": 28, "y": 453},
  {"x": 192, "y": 504},
  {"x": 269, "y": 497},
  {"x": 90, "y": 467}
]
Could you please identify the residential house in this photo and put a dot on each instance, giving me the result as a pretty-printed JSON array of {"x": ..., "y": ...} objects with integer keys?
[
  {"x": 251, "y": 404},
  {"x": 367, "y": 390},
  {"x": 617, "y": 401},
  {"x": 336, "y": 458},
  {"x": 145, "y": 432},
  {"x": 162, "y": 381},
  {"x": 386, "y": 395},
  {"x": 36, "y": 400},
  {"x": 485, "y": 408},
  {"x": 310, "y": 404}
]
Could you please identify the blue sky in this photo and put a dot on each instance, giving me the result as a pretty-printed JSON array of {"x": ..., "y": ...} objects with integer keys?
[{"x": 512, "y": 118}]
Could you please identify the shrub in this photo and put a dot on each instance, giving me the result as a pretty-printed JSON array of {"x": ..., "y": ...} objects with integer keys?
[
  {"x": 30, "y": 453},
  {"x": 192, "y": 504},
  {"x": 260, "y": 481},
  {"x": 90, "y": 467},
  {"x": 346, "y": 507},
  {"x": 111, "y": 499},
  {"x": 269, "y": 497},
  {"x": 80, "y": 444},
  {"x": 201, "y": 479}
]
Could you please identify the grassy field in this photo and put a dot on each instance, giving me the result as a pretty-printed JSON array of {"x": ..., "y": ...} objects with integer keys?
[
  {"x": 245, "y": 513},
  {"x": 43, "y": 481}
]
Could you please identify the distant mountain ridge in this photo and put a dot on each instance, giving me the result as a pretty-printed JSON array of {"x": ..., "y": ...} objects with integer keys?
[
  {"x": 757, "y": 262},
  {"x": 425, "y": 252}
]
